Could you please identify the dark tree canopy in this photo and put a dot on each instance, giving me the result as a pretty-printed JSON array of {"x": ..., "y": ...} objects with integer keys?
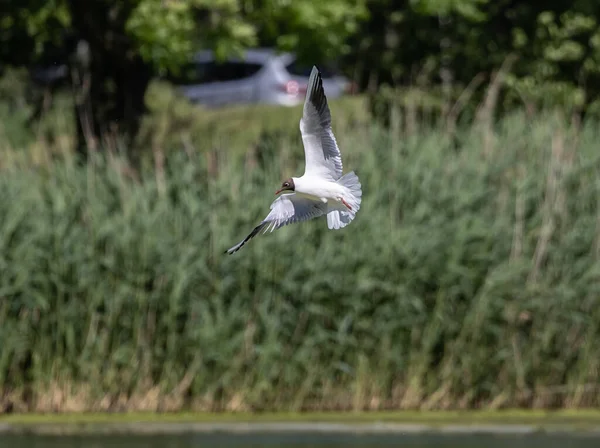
[
  {"x": 112, "y": 48},
  {"x": 557, "y": 45}
]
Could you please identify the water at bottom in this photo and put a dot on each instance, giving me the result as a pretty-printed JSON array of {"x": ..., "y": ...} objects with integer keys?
[{"x": 303, "y": 440}]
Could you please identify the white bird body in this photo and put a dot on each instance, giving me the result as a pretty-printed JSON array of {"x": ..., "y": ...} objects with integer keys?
[{"x": 321, "y": 190}]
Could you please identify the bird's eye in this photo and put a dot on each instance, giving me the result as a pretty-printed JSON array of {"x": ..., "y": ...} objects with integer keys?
[{"x": 286, "y": 184}]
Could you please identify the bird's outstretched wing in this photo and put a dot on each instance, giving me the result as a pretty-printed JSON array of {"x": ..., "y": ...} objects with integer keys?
[
  {"x": 321, "y": 152},
  {"x": 286, "y": 209}
]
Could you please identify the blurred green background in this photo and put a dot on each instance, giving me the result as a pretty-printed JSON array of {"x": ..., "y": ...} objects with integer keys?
[{"x": 470, "y": 278}]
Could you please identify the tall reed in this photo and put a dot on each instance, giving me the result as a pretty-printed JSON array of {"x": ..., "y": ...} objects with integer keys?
[{"x": 470, "y": 278}]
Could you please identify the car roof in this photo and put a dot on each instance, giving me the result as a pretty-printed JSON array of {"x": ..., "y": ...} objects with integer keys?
[{"x": 256, "y": 55}]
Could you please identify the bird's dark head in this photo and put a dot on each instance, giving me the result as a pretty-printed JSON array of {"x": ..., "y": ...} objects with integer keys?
[{"x": 287, "y": 184}]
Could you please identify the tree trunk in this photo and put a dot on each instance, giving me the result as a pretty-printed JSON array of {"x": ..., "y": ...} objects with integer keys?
[{"x": 109, "y": 77}]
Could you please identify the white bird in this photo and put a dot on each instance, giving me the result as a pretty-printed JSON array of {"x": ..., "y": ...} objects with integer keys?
[{"x": 321, "y": 190}]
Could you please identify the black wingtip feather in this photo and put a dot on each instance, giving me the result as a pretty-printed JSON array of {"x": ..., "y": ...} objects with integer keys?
[
  {"x": 316, "y": 93},
  {"x": 252, "y": 234}
]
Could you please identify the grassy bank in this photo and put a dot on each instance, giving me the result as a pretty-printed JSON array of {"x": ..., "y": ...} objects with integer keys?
[
  {"x": 470, "y": 278},
  {"x": 505, "y": 422},
  {"x": 580, "y": 417}
]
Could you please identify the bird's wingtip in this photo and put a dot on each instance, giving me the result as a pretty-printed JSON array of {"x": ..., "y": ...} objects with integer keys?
[
  {"x": 314, "y": 85},
  {"x": 315, "y": 72}
]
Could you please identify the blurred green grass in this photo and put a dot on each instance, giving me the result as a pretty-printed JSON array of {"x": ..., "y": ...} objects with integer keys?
[{"x": 470, "y": 278}]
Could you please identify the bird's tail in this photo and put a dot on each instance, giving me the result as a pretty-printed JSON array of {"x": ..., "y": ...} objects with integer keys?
[
  {"x": 351, "y": 182},
  {"x": 338, "y": 217}
]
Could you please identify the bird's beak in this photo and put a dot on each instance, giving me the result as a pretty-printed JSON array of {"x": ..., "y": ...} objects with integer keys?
[{"x": 278, "y": 191}]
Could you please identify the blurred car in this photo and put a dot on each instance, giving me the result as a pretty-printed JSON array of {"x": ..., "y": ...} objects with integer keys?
[{"x": 259, "y": 76}]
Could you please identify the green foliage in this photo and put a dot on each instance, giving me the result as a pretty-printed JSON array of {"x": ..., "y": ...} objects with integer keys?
[
  {"x": 469, "y": 9},
  {"x": 451, "y": 43},
  {"x": 469, "y": 278},
  {"x": 438, "y": 46},
  {"x": 562, "y": 43},
  {"x": 316, "y": 30},
  {"x": 26, "y": 26},
  {"x": 121, "y": 44},
  {"x": 168, "y": 32}
]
